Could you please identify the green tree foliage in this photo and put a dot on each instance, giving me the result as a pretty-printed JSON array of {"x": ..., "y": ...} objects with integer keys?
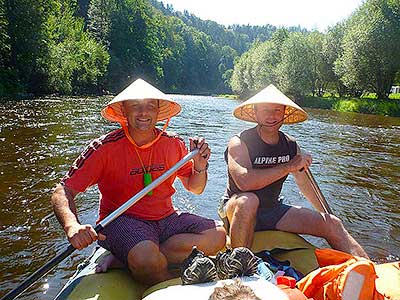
[
  {"x": 332, "y": 50},
  {"x": 174, "y": 48},
  {"x": 4, "y": 37},
  {"x": 317, "y": 62},
  {"x": 47, "y": 49},
  {"x": 225, "y": 67},
  {"x": 27, "y": 37},
  {"x": 238, "y": 37},
  {"x": 99, "y": 19},
  {"x": 200, "y": 61},
  {"x": 371, "y": 44},
  {"x": 8, "y": 78},
  {"x": 133, "y": 42},
  {"x": 83, "y": 7},
  {"x": 257, "y": 67},
  {"x": 295, "y": 72},
  {"x": 76, "y": 62},
  {"x": 397, "y": 78}
]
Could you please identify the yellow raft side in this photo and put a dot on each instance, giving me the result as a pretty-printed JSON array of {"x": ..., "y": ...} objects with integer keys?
[{"x": 118, "y": 284}]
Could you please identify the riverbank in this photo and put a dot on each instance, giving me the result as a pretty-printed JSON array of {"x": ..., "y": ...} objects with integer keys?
[
  {"x": 365, "y": 105},
  {"x": 390, "y": 107}
]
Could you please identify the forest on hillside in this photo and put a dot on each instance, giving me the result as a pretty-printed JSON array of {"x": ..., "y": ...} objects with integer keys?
[{"x": 100, "y": 46}]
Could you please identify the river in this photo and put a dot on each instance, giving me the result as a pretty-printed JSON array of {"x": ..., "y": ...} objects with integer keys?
[{"x": 356, "y": 164}]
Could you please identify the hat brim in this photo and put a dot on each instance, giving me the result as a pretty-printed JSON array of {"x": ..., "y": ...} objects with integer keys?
[
  {"x": 167, "y": 109},
  {"x": 293, "y": 112},
  {"x": 140, "y": 90},
  {"x": 292, "y": 115}
]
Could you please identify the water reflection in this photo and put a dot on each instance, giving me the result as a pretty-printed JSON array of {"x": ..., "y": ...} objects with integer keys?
[{"x": 356, "y": 157}]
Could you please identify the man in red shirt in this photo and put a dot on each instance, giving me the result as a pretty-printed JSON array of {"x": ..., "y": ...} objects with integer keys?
[{"x": 151, "y": 233}]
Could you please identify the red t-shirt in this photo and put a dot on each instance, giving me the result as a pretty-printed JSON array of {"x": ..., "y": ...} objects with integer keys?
[{"x": 112, "y": 163}]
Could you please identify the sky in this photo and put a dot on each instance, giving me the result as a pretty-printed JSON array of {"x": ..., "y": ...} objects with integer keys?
[{"x": 309, "y": 14}]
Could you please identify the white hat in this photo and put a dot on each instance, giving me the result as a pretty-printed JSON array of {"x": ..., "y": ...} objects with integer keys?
[
  {"x": 293, "y": 112},
  {"x": 138, "y": 90}
]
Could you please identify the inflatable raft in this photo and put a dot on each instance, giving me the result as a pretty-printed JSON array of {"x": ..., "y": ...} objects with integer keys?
[{"x": 119, "y": 284}]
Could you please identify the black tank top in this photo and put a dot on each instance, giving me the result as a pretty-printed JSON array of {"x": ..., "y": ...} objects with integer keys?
[{"x": 263, "y": 155}]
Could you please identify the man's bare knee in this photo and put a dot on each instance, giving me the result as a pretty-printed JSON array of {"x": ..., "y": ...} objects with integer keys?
[
  {"x": 245, "y": 204},
  {"x": 146, "y": 264},
  {"x": 218, "y": 238}
]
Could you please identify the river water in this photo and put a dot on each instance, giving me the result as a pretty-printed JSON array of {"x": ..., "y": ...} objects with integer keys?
[{"x": 357, "y": 166}]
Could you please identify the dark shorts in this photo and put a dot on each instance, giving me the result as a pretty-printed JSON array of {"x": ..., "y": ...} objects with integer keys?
[
  {"x": 125, "y": 231},
  {"x": 267, "y": 218}
]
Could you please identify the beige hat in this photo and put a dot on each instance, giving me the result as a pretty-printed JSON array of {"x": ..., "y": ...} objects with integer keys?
[
  {"x": 293, "y": 112},
  {"x": 140, "y": 89}
]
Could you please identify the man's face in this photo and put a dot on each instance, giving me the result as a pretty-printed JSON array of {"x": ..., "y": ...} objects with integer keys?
[
  {"x": 141, "y": 114},
  {"x": 269, "y": 114}
]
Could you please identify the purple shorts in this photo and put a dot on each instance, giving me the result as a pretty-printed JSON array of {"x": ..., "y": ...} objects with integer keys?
[{"x": 125, "y": 231}]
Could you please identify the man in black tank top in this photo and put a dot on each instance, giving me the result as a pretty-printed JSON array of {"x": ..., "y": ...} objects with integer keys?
[{"x": 259, "y": 160}]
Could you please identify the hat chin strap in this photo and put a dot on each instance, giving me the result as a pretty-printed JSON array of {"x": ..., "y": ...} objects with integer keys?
[{"x": 145, "y": 146}]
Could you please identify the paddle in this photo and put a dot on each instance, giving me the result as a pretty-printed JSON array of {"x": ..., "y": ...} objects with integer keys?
[
  {"x": 103, "y": 223},
  {"x": 318, "y": 193}
]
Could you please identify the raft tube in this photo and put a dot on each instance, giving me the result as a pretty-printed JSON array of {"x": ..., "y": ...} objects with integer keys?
[{"x": 119, "y": 284}]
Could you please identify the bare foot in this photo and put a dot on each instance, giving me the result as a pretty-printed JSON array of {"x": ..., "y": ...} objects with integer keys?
[{"x": 108, "y": 262}]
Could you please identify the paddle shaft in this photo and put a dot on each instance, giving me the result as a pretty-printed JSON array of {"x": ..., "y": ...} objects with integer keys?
[
  {"x": 318, "y": 192},
  {"x": 103, "y": 223}
]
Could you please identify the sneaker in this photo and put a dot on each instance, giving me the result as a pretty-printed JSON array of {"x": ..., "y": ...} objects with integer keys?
[
  {"x": 198, "y": 268},
  {"x": 237, "y": 262},
  {"x": 223, "y": 261}
]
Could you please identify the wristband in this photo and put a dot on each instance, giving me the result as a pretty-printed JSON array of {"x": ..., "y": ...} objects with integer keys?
[{"x": 202, "y": 170}]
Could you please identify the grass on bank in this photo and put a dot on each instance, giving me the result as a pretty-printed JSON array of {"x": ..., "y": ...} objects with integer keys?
[
  {"x": 366, "y": 105},
  {"x": 228, "y": 96}
]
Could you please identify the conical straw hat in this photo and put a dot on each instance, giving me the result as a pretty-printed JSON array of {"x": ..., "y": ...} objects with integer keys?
[
  {"x": 138, "y": 90},
  {"x": 293, "y": 112}
]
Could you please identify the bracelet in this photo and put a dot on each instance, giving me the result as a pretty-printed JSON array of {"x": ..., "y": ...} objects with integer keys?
[{"x": 202, "y": 170}]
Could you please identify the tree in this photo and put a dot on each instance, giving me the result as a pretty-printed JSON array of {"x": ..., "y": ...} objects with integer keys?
[
  {"x": 8, "y": 78},
  {"x": 318, "y": 65},
  {"x": 371, "y": 55},
  {"x": 4, "y": 37},
  {"x": 332, "y": 50},
  {"x": 99, "y": 20},
  {"x": 238, "y": 84},
  {"x": 174, "y": 48},
  {"x": 76, "y": 62},
  {"x": 134, "y": 44},
  {"x": 27, "y": 36},
  {"x": 225, "y": 67},
  {"x": 295, "y": 71},
  {"x": 257, "y": 68}
]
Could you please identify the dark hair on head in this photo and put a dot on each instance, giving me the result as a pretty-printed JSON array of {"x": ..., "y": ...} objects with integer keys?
[{"x": 233, "y": 291}]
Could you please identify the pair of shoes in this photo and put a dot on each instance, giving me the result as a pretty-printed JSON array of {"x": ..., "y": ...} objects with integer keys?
[
  {"x": 237, "y": 262},
  {"x": 198, "y": 268}
]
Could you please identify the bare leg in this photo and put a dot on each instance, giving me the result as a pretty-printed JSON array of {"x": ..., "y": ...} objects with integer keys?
[
  {"x": 147, "y": 263},
  {"x": 179, "y": 246},
  {"x": 306, "y": 221},
  {"x": 241, "y": 211},
  {"x": 108, "y": 262}
]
